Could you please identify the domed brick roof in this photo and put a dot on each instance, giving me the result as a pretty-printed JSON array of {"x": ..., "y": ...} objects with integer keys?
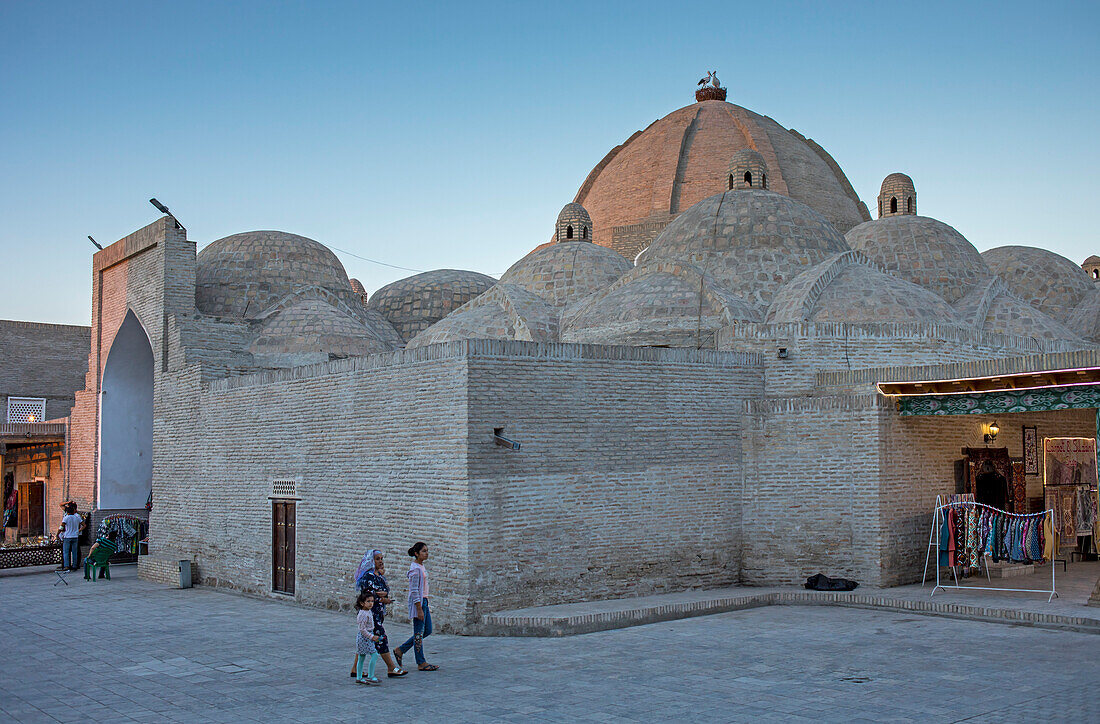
[
  {"x": 662, "y": 304},
  {"x": 504, "y": 312},
  {"x": 923, "y": 251},
  {"x": 750, "y": 241},
  {"x": 310, "y": 330},
  {"x": 1047, "y": 281},
  {"x": 415, "y": 303},
  {"x": 992, "y": 307},
  {"x": 245, "y": 274},
  {"x": 573, "y": 224},
  {"x": 684, "y": 158},
  {"x": 568, "y": 270},
  {"x": 848, "y": 288}
]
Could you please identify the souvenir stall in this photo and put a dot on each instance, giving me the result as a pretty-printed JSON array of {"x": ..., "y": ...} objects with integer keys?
[{"x": 130, "y": 531}]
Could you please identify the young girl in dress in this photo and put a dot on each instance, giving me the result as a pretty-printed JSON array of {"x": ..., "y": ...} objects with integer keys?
[{"x": 365, "y": 638}]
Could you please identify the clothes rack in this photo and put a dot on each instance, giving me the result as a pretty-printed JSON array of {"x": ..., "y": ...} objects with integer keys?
[{"x": 934, "y": 542}]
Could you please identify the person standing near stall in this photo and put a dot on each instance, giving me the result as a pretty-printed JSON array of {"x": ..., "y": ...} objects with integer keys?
[{"x": 71, "y": 527}]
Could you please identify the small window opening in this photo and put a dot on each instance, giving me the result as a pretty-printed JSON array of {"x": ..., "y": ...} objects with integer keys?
[
  {"x": 909, "y": 204},
  {"x": 893, "y": 204},
  {"x": 763, "y": 180},
  {"x": 748, "y": 178},
  {"x": 731, "y": 182},
  {"x": 584, "y": 232},
  {"x": 1096, "y": 273},
  {"x": 569, "y": 232}
]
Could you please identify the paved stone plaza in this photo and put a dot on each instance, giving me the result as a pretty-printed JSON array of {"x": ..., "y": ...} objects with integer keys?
[{"x": 128, "y": 650}]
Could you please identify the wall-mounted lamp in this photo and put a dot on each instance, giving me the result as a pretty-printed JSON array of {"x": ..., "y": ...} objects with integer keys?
[
  {"x": 990, "y": 436},
  {"x": 502, "y": 441}
]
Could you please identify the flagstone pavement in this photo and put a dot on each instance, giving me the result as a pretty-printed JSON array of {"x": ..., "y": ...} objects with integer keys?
[{"x": 126, "y": 650}]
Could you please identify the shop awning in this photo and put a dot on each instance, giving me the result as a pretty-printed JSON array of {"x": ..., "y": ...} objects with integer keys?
[{"x": 1028, "y": 392}]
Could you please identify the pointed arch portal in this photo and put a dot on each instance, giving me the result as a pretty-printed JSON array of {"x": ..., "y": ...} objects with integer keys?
[{"x": 126, "y": 419}]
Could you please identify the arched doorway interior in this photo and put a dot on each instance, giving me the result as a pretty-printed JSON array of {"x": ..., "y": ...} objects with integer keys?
[{"x": 126, "y": 420}]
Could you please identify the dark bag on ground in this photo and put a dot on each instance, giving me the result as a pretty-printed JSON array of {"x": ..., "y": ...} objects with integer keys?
[{"x": 821, "y": 582}]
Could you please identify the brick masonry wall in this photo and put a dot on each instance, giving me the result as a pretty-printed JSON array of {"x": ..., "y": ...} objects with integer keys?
[
  {"x": 811, "y": 500},
  {"x": 378, "y": 444},
  {"x": 628, "y": 481},
  {"x": 42, "y": 360},
  {"x": 395, "y": 448}
]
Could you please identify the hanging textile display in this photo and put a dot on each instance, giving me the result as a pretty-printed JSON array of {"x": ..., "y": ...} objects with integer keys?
[
  {"x": 1069, "y": 479},
  {"x": 128, "y": 529},
  {"x": 965, "y": 532}
]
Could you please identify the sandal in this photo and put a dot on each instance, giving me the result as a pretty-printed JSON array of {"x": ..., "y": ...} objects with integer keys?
[
  {"x": 397, "y": 674},
  {"x": 428, "y": 667}
]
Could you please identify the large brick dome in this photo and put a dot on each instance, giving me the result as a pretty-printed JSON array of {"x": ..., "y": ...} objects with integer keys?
[
  {"x": 566, "y": 271},
  {"x": 684, "y": 158},
  {"x": 415, "y": 303},
  {"x": 1047, "y": 281},
  {"x": 245, "y": 274}
]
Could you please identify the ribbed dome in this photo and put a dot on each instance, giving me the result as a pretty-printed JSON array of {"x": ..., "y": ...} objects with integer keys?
[
  {"x": 924, "y": 251},
  {"x": 848, "y": 288},
  {"x": 504, "y": 312},
  {"x": 244, "y": 274},
  {"x": 684, "y": 158},
  {"x": 659, "y": 304},
  {"x": 563, "y": 272},
  {"x": 1047, "y": 281},
  {"x": 415, "y": 303},
  {"x": 312, "y": 330},
  {"x": 750, "y": 241}
]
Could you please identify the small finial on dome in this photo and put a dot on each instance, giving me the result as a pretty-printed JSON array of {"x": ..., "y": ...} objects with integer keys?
[
  {"x": 897, "y": 196},
  {"x": 747, "y": 170},
  {"x": 574, "y": 224},
  {"x": 710, "y": 89}
]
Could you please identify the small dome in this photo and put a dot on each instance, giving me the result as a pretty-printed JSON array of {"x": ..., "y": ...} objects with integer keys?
[
  {"x": 661, "y": 304},
  {"x": 923, "y": 251},
  {"x": 848, "y": 288},
  {"x": 751, "y": 242},
  {"x": 568, "y": 270},
  {"x": 415, "y": 303},
  {"x": 1047, "y": 281},
  {"x": 574, "y": 224},
  {"x": 504, "y": 312},
  {"x": 312, "y": 330},
  {"x": 748, "y": 170},
  {"x": 244, "y": 274},
  {"x": 992, "y": 307},
  {"x": 897, "y": 195}
]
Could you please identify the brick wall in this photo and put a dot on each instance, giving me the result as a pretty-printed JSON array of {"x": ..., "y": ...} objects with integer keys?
[
  {"x": 396, "y": 448},
  {"x": 42, "y": 360},
  {"x": 628, "y": 482}
]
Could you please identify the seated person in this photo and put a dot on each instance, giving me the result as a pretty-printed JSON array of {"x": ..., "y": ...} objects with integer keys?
[{"x": 105, "y": 547}]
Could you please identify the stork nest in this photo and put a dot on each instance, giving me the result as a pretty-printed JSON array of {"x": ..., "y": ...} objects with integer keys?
[{"x": 710, "y": 93}]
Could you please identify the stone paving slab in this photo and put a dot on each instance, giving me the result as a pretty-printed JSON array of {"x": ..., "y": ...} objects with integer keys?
[
  {"x": 129, "y": 651},
  {"x": 1069, "y": 611}
]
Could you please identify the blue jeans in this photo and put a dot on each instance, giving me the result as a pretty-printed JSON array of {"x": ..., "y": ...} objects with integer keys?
[
  {"x": 421, "y": 627},
  {"x": 70, "y": 551}
]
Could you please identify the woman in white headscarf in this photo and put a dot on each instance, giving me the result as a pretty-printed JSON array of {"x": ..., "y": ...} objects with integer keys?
[{"x": 371, "y": 574}]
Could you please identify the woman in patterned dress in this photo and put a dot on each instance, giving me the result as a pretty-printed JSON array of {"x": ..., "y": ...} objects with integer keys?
[{"x": 371, "y": 575}]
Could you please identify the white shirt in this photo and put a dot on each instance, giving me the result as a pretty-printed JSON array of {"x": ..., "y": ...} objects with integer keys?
[{"x": 72, "y": 526}]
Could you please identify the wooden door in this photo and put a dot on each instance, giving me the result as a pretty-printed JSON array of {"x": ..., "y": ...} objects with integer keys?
[
  {"x": 30, "y": 509},
  {"x": 282, "y": 546}
]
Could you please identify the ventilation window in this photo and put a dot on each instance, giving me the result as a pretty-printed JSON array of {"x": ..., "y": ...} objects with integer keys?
[
  {"x": 748, "y": 178},
  {"x": 893, "y": 204},
  {"x": 731, "y": 182},
  {"x": 26, "y": 409},
  {"x": 569, "y": 232},
  {"x": 763, "y": 180},
  {"x": 584, "y": 232},
  {"x": 285, "y": 488},
  {"x": 909, "y": 204},
  {"x": 1096, "y": 273}
]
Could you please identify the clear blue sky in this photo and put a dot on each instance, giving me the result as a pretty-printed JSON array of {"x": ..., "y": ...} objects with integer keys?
[{"x": 450, "y": 135}]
